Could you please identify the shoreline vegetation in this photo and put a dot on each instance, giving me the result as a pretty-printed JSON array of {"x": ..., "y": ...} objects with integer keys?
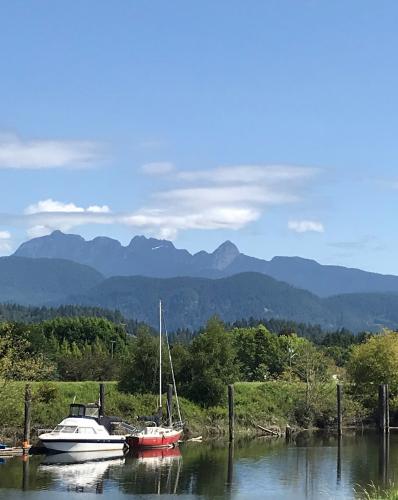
[
  {"x": 281, "y": 378},
  {"x": 257, "y": 404}
]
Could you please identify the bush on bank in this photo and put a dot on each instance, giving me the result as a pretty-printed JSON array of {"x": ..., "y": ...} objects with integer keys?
[{"x": 274, "y": 403}]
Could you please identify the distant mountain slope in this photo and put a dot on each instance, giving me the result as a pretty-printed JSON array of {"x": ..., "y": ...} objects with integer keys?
[
  {"x": 38, "y": 281},
  {"x": 159, "y": 258},
  {"x": 190, "y": 302}
]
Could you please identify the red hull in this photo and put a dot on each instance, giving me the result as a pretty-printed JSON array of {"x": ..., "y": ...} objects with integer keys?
[{"x": 153, "y": 441}]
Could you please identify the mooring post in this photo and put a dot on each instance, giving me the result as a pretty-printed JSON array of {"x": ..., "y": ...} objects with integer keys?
[
  {"x": 382, "y": 408},
  {"x": 339, "y": 393},
  {"x": 102, "y": 400},
  {"x": 26, "y": 433},
  {"x": 170, "y": 404},
  {"x": 231, "y": 416},
  {"x": 230, "y": 471},
  {"x": 387, "y": 403}
]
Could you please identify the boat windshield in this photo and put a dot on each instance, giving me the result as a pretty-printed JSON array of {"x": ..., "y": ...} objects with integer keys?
[{"x": 65, "y": 428}]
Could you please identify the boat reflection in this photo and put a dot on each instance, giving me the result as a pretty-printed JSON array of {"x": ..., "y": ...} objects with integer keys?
[
  {"x": 83, "y": 471},
  {"x": 154, "y": 471}
]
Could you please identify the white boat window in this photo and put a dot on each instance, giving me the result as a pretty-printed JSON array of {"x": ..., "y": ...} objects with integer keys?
[
  {"x": 70, "y": 429},
  {"x": 92, "y": 412},
  {"x": 86, "y": 430}
]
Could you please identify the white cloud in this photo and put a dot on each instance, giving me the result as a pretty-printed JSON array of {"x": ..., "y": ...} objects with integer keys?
[
  {"x": 305, "y": 226},
  {"x": 5, "y": 245},
  {"x": 51, "y": 205},
  {"x": 223, "y": 198},
  {"x": 41, "y": 154},
  {"x": 249, "y": 174},
  {"x": 158, "y": 168},
  {"x": 48, "y": 215}
]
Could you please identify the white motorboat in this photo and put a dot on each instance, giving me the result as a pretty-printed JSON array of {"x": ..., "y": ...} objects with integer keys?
[{"x": 83, "y": 430}]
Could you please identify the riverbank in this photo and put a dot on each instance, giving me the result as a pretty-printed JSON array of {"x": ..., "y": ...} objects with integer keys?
[{"x": 271, "y": 404}]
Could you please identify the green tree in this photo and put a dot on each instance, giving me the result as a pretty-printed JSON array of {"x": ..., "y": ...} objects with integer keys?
[
  {"x": 213, "y": 364},
  {"x": 372, "y": 363},
  {"x": 141, "y": 369},
  {"x": 16, "y": 360}
]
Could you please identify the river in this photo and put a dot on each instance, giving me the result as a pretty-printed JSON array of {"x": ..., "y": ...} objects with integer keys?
[{"x": 312, "y": 466}]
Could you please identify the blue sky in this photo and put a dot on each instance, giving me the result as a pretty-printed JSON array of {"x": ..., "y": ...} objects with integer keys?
[{"x": 269, "y": 123}]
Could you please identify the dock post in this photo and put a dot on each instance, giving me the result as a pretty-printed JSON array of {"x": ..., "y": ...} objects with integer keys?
[
  {"x": 231, "y": 415},
  {"x": 339, "y": 393},
  {"x": 102, "y": 400},
  {"x": 230, "y": 470},
  {"x": 387, "y": 410},
  {"x": 26, "y": 433},
  {"x": 170, "y": 403},
  {"x": 382, "y": 408}
]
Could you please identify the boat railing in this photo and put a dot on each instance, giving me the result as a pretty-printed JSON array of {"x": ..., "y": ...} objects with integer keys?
[
  {"x": 129, "y": 428},
  {"x": 178, "y": 425}
]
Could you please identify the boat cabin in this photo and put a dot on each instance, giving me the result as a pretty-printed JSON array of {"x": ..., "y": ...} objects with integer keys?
[{"x": 84, "y": 411}]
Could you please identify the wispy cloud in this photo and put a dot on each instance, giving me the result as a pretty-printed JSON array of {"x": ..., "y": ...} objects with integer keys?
[
  {"x": 248, "y": 174},
  {"x": 5, "y": 244},
  {"x": 223, "y": 198},
  {"x": 305, "y": 226},
  {"x": 158, "y": 168},
  {"x": 16, "y": 153},
  {"x": 51, "y": 205},
  {"x": 50, "y": 214}
]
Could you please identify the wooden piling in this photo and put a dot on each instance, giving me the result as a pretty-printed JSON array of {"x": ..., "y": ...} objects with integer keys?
[
  {"x": 339, "y": 394},
  {"x": 382, "y": 408},
  {"x": 170, "y": 404},
  {"x": 231, "y": 416},
  {"x": 102, "y": 400},
  {"x": 26, "y": 433},
  {"x": 230, "y": 471}
]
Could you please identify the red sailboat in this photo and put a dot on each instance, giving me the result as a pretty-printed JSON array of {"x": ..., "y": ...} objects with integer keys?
[{"x": 153, "y": 434}]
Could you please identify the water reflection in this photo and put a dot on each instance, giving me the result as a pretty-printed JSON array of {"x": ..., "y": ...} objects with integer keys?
[
  {"x": 314, "y": 466},
  {"x": 80, "y": 472},
  {"x": 152, "y": 471}
]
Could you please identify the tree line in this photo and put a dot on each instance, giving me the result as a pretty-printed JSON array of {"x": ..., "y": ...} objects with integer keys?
[{"x": 97, "y": 348}]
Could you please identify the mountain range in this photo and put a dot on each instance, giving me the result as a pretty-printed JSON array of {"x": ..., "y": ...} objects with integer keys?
[
  {"x": 159, "y": 258},
  {"x": 65, "y": 269}
]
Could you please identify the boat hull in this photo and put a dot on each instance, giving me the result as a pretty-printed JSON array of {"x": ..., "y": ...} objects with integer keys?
[
  {"x": 161, "y": 441},
  {"x": 84, "y": 445}
]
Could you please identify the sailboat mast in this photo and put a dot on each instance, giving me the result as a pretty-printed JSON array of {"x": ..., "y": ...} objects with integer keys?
[{"x": 160, "y": 354}]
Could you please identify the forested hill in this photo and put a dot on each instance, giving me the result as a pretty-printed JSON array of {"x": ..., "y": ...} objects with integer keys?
[
  {"x": 39, "y": 281},
  {"x": 190, "y": 302}
]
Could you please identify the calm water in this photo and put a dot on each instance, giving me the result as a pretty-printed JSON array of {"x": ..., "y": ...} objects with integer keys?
[{"x": 312, "y": 467}]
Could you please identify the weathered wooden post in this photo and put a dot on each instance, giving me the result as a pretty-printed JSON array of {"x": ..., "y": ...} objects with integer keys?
[
  {"x": 387, "y": 410},
  {"x": 102, "y": 400},
  {"x": 338, "y": 468},
  {"x": 170, "y": 404},
  {"x": 382, "y": 408},
  {"x": 26, "y": 433},
  {"x": 25, "y": 472},
  {"x": 339, "y": 392},
  {"x": 231, "y": 416},
  {"x": 230, "y": 471}
]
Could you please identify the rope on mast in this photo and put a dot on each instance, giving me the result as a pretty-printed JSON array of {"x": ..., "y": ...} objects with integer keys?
[{"x": 172, "y": 372}]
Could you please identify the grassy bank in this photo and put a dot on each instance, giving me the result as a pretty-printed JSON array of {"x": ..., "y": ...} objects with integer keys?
[{"x": 275, "y": 403}]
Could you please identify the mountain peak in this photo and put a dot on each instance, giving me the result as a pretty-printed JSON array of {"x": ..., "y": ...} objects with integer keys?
[
  {"x": 142, "y": 243},
  {"x": 224, "y": 255}
]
